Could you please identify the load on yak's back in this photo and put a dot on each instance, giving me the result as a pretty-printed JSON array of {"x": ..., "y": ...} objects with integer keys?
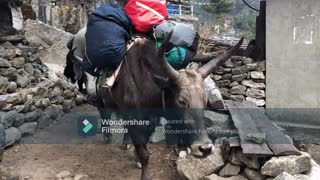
[{"x": 112, "y": 30}]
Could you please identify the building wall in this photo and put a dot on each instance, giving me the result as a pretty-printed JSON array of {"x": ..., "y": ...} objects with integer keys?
[{"x": 293, "y": 61}]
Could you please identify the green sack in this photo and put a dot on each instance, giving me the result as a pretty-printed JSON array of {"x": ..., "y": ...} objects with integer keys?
[{"x": 176, "y": 56}]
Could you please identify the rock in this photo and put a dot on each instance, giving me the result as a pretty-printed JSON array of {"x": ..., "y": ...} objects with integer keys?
[
  {"x": 239, "y": 77},
  {"x": 247, "y": 60},
  {"x": 68, "y": 94},
  {"x": 7, "y": 53},
  {"x": 291, "y": 164},
  {"x": 285, "y": 176},
  {"x": 255, "y": 93},
  {"x": 223, "y": 83},
  {"x": 253, "y": 174},
  {"x": 314, "y": 173},
  {"x": 22, "y": 81},
  {"x": 67, "y": 105},
  {"x": 43, "y": 92},
  {"x": 194, "y": 168},
  {"x": 217, "y": 120},
  {"x": 216, "y": 177},
  {"x": 258, "y": 102},
  {"x": 250, "y": 161},
  {"x": 36, "y": 41},
  {"x": 51, "y": 113},
  {"x": 4, "y": 63},
  {"x": 251, "y": 67},
  {"x": 4, "y": 85},
  {"x": 252, "y": 84},
  {"x": 81, "y": 177},
  {"x": 80, "y": 99},
  {"x": 54, "y": 37},
  {"x": 302, "y": 177},
  {"x": 227, "y": 76},
  {"x": 240, "y": 70},
  {"x": 233, "y": 158},
  {"x": 261, "y": 66},
  {"x": 33, "y": 116},
  {"x": 55, "y": 94},
  {"x": 42, "y": 103},
  {"x": 220, "y": 70},
  {"x": 12, "y": 87},
  {"x": 29, "y": 68},
  {"x": 224, "y": 146},
  {"x": 2, "y": 137},
  {"x": 238, "y": 90},
  {"x": 10, "y": 73},
  {"x": 257, "y": 75},
  {"x": 234, "y": 142},
  {"x": 158, "y": 135},
  {"x": 28, "y": 128},
  {"x": 19, "y": 120},
  {"x": 229, "y": 170},
  {"x": 64, "y": 175},
  {"x": 237, "y": 97},
  {"x": 182, "y": 154},
  {"x": 216, "y": 77},
  {"x": 258, "y": 138},
  {"x": 229, "y": 64},
  {"x": 18, "y": 62},
  {"x": 234, "y": 83},
  {"x": 7, "y": 118},
  {"x": 237, "y": 59},
  {"x": 12, "y": 135}
]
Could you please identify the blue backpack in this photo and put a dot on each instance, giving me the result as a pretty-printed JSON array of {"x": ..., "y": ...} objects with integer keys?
[{"x": 108, "y": 31}]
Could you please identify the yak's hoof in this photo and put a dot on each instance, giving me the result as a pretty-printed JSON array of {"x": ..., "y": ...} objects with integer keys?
[
  {"x": 126, "y": 146},
  {"x": 107, "y": 138},
  {"x": 139, "y": 165}
]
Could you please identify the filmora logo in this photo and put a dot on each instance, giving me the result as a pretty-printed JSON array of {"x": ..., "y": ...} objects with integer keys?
[{"x": 87, "y": 125}]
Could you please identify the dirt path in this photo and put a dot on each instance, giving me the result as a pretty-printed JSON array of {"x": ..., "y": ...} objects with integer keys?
[
  {"x": 59, "y": 147},
  {"x": 41, "y": 162}
]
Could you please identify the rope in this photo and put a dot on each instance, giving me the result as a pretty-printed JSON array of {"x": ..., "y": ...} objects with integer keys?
[{"x": 250, "y": 6}]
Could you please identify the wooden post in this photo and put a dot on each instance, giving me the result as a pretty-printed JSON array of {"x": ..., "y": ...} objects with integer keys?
[
  {"x": 261, "y": 32},
  {"x": 191, "y": 10}
]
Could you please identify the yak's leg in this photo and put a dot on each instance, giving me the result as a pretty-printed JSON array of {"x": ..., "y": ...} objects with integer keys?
[
  {"x": 126, "y": 141},
  {"x": 105, "y": 114},
  {"x": 143, "y": 154}
]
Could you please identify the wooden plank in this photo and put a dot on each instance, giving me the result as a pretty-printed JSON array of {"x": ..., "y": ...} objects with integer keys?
[
  {"x": 278, "y": 142},
  {"x": 245, "y": 124}
]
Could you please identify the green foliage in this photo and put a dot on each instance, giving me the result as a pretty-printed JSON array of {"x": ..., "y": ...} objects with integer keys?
[
  {"x": 219, "y": 6},
  {"x": 247, "y": 24}
]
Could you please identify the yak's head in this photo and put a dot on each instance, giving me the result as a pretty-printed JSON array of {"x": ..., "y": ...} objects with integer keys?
[{"x": 186, "y": 99}]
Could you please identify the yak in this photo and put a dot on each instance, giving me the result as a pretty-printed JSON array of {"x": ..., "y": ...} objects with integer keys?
[{"x": 147, "y": 84}]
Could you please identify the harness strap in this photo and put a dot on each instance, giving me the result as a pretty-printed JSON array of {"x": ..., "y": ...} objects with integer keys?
[{"x": 163, "y": 100}]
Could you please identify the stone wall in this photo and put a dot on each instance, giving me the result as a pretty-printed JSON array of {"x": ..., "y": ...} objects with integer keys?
[
  {"x": 31, "y": 96},
  {"x": 63, "y": 14},
  {"x": 242, "y": 79}
]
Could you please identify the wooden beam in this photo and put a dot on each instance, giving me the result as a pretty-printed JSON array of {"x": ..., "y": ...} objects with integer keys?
[
  {"x": 277, "y": 141},
  {"x": 246, "y": 124}
]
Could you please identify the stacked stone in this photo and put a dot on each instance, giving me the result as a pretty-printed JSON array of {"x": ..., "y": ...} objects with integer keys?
[
  {"x": 229, "y": 163},
  {"x": 242, "y": 79},
  {"x": 31, "y": 96}
]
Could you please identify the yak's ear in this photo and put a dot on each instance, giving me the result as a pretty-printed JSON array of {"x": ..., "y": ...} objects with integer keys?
[{"x": 163, "y": 82}]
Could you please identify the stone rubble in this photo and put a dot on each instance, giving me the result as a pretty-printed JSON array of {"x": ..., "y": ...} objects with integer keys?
[
  {"x": 33, "y": 94},
  {"x": 231, "y": 164}
]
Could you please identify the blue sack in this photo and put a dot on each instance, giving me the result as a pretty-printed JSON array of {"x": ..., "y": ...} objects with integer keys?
[{"x": 108, "y": 31}]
